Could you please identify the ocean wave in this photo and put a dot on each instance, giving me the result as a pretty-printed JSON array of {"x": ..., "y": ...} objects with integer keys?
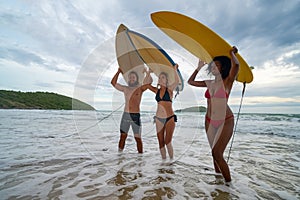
[{"x": 271, "y": 117}]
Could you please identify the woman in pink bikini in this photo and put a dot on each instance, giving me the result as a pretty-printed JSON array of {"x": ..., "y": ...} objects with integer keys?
[{"x": 219, "y": 120}]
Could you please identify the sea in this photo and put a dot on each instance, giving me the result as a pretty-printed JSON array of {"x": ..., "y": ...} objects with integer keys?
[{"x": 58, "y": 154}]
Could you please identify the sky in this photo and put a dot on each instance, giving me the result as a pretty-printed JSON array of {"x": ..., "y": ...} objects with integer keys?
[{"x": 67, "y": 47}]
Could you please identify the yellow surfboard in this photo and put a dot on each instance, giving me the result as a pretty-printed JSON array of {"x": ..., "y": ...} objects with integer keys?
[
  {"x": 198, "y": 39},
  {"x": 149, "y": 52}
]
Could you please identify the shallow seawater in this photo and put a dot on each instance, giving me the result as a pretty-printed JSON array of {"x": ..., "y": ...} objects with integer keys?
[{"x": 73, "y": 155}]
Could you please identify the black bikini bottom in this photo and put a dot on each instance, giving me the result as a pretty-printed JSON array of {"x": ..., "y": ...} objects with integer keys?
[{"x": 165, "y": 120}]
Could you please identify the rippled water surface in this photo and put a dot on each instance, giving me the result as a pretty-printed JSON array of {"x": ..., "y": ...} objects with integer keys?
[{"x": 73, "y": 155}]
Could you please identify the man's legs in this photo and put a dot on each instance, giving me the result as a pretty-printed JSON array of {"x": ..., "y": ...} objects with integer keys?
[{"x": 122, "y": 140}]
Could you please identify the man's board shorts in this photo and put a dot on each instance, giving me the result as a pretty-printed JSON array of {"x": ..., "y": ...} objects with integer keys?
[{"x": 133, "y": 120}]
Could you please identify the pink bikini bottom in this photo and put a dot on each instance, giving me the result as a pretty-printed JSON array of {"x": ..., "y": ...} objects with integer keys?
[{"x": 217, "y": 123}]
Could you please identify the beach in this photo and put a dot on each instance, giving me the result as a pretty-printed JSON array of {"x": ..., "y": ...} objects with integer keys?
[{"x": 51, "y": 154}]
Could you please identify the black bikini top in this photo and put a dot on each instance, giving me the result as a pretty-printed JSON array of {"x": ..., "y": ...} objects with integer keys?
[{"x": 166, "y": 96}]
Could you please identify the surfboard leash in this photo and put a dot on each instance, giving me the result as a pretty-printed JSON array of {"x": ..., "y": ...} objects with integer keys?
[
  {"x": 237, "y": 119},
  {"x": 177, "y": 92},
  {"x": 100, "y": 120}
]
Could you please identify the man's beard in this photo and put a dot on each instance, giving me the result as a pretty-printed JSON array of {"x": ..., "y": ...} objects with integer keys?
[{"x": 132, "y": 84}]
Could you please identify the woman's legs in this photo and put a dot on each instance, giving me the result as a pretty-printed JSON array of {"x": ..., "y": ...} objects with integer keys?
[
  {"x": 164, "y": 136},
  {"x": 210, "y": 133},
  {"x": 160, "y": 129},
  {"x": 219, "y": 148},
  {"x": 169, "y": 128}
]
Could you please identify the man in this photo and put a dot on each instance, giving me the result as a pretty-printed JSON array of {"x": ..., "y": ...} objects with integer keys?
[{"x": 131, "y": 115}]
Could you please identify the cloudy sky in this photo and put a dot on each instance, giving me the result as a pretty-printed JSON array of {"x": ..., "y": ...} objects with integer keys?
[{"x": 67, "y": 47}]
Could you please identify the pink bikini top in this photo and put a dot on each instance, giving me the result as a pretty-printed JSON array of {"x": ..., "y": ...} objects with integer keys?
[{"x": 221, "y": 93}]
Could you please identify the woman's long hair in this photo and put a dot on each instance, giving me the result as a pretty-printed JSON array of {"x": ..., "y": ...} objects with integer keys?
[
  {"x": 166, "y": 75},
  {"x": 225, "y": 63}
]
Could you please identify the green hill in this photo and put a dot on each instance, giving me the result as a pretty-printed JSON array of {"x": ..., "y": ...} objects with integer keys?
[
  {"x": 193, "y": 109},
  {"x": 39, "y": 100}
]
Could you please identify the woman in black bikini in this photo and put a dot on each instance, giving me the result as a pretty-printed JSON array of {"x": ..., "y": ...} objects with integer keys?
[
  {"x": 165, "y": 118},
  {"x": 219, "y": 119}
]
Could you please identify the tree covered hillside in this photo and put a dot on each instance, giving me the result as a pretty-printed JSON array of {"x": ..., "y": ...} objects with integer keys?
[
  {"x": 193, "y": 109},
  {"x": 39, "y": 100}
]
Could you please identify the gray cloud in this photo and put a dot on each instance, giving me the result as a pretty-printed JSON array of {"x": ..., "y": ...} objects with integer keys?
[
  {"x": 69, "y": 30},
  {"x": 294, "y": 59},
  {"x": 19, "y": 55},
  {"x": 27, "y": 58},
  {"x": 66, "y": 82},
  {"x": 44, "y": 84},
  {"x": 265, "y": 26},
  {"x": 283, "y": 92},
  {"x": 59, "y": 29}
]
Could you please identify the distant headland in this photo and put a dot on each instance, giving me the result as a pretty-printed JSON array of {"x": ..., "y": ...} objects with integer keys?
[
  {"x": 40, "y": 100},
  {"x": 192, "y": 109}
]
